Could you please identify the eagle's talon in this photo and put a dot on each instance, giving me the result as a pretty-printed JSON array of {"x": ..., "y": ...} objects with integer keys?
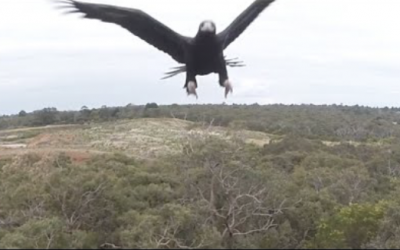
[
  {"x": 228, "y": 88},
  {"x": 191, "y": 89}
]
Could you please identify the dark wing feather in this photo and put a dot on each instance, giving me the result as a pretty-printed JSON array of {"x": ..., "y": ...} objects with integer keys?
[
  {"x": 137, "y": 22},
  {"x": 240, "y": 24}
]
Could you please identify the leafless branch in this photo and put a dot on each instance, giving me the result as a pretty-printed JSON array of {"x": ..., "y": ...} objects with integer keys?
[
  {"x": 168, "y": 237},
  {"x": 267, "y": 226},
  {"x": 49, "y": 240}
]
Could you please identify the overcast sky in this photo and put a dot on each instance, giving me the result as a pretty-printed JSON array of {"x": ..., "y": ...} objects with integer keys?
[{"x": 297, "y": 51}]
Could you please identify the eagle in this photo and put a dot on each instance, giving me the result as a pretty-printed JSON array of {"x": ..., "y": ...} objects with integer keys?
[{"x": 201, "y": 55}]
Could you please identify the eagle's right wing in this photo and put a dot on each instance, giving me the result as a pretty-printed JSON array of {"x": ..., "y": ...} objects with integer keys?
[{"x": 137, "y": 22}]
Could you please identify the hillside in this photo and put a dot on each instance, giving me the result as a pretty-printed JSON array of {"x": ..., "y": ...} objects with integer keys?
[
  {"x": 140, "y": 138},
  {"x": 201, "y": 177}
]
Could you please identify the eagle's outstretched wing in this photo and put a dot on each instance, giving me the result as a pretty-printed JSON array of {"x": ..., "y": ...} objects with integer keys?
[
  {"x": 240, "y": 24},
  {"x": 137, "y": 22}
]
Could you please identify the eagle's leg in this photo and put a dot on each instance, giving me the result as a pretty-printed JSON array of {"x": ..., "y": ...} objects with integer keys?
[
  {"x": 224, "y": 80},
  {"x": 191, "y": 84}
]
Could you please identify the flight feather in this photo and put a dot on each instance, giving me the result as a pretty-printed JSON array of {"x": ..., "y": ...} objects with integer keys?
[
  {"x": 240, "y": 24},
  {"x": 137, "y": 22}
]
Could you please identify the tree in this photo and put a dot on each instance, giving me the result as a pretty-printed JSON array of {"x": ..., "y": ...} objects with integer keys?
[
  {"x": 46, "y": 116},
  {"x": 352, "y": 226},
  {"x": 151, "y": 105},
  {"x": 22, "y": 113}
]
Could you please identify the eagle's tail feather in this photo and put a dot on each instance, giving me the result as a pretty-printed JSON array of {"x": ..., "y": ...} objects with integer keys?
[{"x": 233, "y": 62}]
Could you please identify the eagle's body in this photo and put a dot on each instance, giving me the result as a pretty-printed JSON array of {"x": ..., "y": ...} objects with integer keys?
[
  {"x": 205, "y": 54},
  {"x": 201, "y": 55}
]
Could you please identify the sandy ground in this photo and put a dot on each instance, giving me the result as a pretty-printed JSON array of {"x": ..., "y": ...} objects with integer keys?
[{"x": 142, "y": 138}]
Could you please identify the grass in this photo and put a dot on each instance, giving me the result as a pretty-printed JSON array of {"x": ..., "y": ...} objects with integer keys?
[
  {"x": 20, "y": 136},
  {"x": 141, "y": 138},
  {"x": 4, "y": 162}
]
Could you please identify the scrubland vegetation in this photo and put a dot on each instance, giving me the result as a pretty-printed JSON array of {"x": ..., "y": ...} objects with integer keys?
[{"x": 209, "y": 176}]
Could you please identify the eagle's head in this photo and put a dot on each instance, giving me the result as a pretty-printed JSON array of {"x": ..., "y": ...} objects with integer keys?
[{"x": 208, "y": 26}]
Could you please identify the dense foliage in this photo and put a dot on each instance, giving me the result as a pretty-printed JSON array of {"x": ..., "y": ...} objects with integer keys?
[{"x": 297, "y": 192}]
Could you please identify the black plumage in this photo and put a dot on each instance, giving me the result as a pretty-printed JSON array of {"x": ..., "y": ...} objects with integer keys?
[{"x": 201, "y": 55}]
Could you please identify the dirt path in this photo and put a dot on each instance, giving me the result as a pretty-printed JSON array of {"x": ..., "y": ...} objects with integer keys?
[
  {"x": 77, "y": 155},
  {"x": 10, "y": 131}
]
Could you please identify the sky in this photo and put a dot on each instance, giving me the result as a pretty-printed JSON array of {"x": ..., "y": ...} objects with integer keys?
[{"x": 296, "y": 52}]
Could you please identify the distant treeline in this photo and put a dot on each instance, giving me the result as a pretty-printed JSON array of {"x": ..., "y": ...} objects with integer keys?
[{"x": 330, "y": 122}]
